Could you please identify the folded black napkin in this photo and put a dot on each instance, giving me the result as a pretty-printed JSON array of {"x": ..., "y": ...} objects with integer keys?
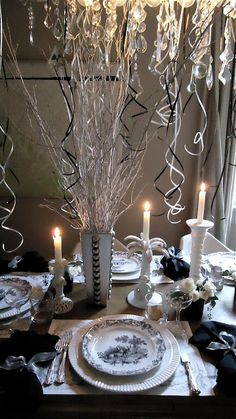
[
  {"x": 218, "y": 341},
  {"x": 29, "y": 262},
  {"x": 174, "y": 266},
  {"x": 20, "y": 387}
]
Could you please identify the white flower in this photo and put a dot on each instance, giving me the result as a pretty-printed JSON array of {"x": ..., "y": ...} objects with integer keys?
[
  {"x": 187, "y": 285},
  {"x": 195, "y": 295},
  {"x": 204, "y": 295},
  {"x": 199, "y": 283},
  {"x": 210, "y": 288}
]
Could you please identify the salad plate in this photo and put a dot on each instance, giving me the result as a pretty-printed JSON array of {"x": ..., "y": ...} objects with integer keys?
[
  {"x": 123, "y": 347},
  {"x": 131, "y": 383},
  {"x": 124, "y": 264}
]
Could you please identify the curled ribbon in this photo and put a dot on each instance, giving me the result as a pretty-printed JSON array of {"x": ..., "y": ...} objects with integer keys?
[
  {"x": 227, "y": 345},
  {"x": 15, "y": 362}
]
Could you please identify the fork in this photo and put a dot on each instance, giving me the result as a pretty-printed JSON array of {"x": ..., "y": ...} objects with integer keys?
[
  {"x": 60, "y": 377},
  {"x": 51, "y": 372}
]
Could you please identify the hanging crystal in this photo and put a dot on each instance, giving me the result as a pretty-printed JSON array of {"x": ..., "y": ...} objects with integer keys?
[
  {"x": 48, "y": 19},
  {"x": 31, "y": 22},
  {"x": 141, "y": 44},
  {"x": 191, "y": 88},
  {"x": 209, "y": 77},
  {"x": 135, "y": 79}
]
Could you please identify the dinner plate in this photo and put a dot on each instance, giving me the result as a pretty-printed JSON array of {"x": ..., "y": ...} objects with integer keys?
[
  {"x": 17, "y": 283},
  {"x": 122, "y": 264},
  {"x": 226, "y": 260},
  {"x": 123, "y": 347},
  {"x": 125, "y": 384},
  {"x": 39, "y": 284}
]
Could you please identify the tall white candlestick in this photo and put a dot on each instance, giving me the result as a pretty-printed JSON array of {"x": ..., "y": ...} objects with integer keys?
[
  {"x": 57, "y": 246},
  {"x": 146, "y": 221},
  {"x": 201, "y": 203}
]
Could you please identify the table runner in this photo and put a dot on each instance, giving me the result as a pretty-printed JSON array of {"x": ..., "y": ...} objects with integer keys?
[{"x": 177, "y": 385}]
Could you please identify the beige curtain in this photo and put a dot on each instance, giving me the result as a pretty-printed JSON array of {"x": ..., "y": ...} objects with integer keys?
[{"x": 216, "y": 163}]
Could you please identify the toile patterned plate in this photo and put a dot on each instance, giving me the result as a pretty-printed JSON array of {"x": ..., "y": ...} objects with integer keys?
[
  {"x": 124, "y": 384},
  {"x": 7, "y": 283},
  {"x": 123, "y": 347},
  {"x": 122, "y": 264}
]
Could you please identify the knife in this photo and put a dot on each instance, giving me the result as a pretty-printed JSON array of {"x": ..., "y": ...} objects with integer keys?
[{"x": 187, "y": 365}]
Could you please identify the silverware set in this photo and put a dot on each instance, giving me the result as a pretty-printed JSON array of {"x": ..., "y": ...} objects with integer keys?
[{"x": 56, "y": 371}]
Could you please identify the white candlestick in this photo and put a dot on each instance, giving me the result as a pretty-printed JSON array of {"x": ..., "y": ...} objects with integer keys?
[
  {"x": 57, "y": 246},
  {"x": 201, "y": 203},
  {"x": 146, "y": 221}
]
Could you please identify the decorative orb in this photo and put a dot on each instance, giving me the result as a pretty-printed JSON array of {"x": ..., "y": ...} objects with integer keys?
[{"x": 199, "y": 70}]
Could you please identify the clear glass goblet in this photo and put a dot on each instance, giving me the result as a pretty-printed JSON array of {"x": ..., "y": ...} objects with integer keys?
[{"x": 178, "y": 300}]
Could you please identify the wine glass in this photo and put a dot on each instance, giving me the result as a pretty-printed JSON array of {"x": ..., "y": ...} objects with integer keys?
[
  {"x": 15, "y": 297},
  {"x": 179, "y": 300}
]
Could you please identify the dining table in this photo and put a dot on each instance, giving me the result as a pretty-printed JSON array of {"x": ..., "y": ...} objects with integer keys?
[{"x": 76, "y": 398}]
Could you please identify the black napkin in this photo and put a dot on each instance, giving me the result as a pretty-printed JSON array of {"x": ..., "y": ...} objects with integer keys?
[
  {"x": 30, "y": 262},
  {"x": 225, "y": 359},
  {"x": 22, "y": 391},
  {"x": 174, "y": 266}
]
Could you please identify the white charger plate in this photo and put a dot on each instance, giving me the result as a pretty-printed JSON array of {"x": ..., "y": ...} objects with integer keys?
[
  {"x": 124, "y": 384},
  {"x": 122, "y": 264},
  {"x": 123, "y": 347}
]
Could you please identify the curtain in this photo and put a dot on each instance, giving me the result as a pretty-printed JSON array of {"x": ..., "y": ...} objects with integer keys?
[{"x": 216, "y": 165}]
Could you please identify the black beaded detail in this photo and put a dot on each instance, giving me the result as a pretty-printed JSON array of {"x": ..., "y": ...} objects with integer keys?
[{"x": 96, "y": 269}]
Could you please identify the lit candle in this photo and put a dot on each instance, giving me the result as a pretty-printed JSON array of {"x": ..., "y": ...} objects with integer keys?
[
  {"x": 57, "y": 245},
  {"x": 146, "y": 221},
  {"x": 201, "y": 203}
]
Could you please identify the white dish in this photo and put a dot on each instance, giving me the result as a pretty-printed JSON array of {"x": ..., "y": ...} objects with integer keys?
[
  {"x": 122, "y": 264},
  {"x": 123, "y": 347},
  {"x": 226, "y": 260},
  {"x": 39, "y": 284},
  {"x": 121, "y": 384},
  {"x": 17, "y": 283}
]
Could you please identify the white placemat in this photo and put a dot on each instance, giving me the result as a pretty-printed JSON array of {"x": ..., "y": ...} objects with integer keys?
[{"x": 177, "y": 385}]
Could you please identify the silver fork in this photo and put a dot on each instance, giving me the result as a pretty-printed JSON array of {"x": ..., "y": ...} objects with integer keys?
[
  {"x": 50, "y": 377},
  {"x": 60, "y": 377}
]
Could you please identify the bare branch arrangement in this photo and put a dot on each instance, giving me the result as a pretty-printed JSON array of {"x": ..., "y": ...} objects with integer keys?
[{"x": 96, "y": 162}]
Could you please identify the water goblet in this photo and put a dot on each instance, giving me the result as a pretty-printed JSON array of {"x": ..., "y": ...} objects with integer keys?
[{"x": 179, "y": 300}]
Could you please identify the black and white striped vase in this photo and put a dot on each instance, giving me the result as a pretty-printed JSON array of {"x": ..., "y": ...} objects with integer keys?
[{"x": 97, "y": 254}]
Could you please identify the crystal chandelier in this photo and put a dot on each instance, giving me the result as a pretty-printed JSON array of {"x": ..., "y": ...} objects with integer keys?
[{"x": 111, "y": 33}]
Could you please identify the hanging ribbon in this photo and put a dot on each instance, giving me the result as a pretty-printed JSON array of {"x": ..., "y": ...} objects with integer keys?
[{"x": 228, "y": 345}]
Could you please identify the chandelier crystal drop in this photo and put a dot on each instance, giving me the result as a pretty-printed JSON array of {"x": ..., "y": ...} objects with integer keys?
[{"x": 105, "y": 34}]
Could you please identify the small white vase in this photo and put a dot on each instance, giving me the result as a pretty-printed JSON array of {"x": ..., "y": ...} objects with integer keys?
[{"x": 96, "y": 253}]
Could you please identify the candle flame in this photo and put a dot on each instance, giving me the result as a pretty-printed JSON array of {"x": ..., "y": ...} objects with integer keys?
[
  {"x": 203, "y": 186},
  {"x": 147, "y": 206},
  {"x": 57, "y": 233}
]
